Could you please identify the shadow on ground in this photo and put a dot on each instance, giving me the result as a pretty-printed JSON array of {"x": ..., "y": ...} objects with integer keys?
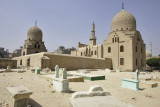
[{"x": 33, "y": 103}]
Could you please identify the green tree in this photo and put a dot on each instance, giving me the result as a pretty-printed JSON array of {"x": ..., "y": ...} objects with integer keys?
[{"x": 153, "y": 62}]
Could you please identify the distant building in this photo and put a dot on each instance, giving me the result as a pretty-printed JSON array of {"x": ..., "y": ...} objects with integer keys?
[
  {"x": 63, "y": 50},
  {"x": 17, "y": 52},
  {"x": 3, "y": 53}
]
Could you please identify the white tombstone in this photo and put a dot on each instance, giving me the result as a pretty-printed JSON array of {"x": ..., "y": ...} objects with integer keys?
[
  {"x": 117, "y": 69},
  {"x": 64, "y": 73},
  {"x": 136, "y": 76},
  {"x": 56, "y": 71}
]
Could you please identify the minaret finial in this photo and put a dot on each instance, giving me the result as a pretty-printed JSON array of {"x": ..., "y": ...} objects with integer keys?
[
  {"x": 93, "y": 26},
  {"x": 35, "y": 22},
  {"x": 122, "y": 5}
]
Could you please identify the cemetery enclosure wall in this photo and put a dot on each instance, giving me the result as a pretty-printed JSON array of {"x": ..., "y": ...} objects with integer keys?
[
  {"x": 4, "y": 62},
  {"x": 77, "y": 62},
  {"x": 46, "y": 59}
]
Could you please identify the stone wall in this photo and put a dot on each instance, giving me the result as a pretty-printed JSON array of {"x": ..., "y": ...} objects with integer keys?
[
  {"x": 46, "y": 59},
  {"x": 4, "y": 62},
  {"x": 78, "y": 62}
]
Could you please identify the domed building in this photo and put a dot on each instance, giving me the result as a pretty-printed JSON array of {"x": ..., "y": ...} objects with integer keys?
[
  {"x": 34, "y": 43},
  {"x": 124, "y": 44}
]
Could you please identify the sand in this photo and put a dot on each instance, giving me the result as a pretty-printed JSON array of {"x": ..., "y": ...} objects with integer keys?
[{"x": 43, "y": 94}]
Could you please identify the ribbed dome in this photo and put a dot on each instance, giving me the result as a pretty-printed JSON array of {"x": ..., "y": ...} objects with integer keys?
[
  {"x": 34, "y": 33},
  {"x": 123, "y": 20}
]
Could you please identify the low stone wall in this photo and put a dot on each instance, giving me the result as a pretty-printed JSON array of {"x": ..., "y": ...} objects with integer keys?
[
  {"x": 77, "y": 62},
  {"x": 46, "y": 59},
  {"x": 4, "y": 62}
]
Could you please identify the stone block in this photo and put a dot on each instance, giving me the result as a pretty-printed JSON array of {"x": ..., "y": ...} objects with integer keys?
[
  {"x": 130, "y": 84},
  {"x": 91, "y": 77},
  {"x": 61, "y": 85},
  {"x": 18, "y": 96}
]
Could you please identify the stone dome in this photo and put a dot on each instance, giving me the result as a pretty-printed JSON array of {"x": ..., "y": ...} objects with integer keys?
[
  {"x": 123, "y": 20},
  {"x": 34, "y": 33}
]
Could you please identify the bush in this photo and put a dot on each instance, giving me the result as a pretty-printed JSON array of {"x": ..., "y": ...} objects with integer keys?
[{"x": 153, "y": 62}]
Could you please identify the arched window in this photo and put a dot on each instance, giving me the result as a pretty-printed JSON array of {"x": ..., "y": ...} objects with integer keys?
[
  {"x": 141, "y": 50},
  {"x": 87, "y": 51},
  {"x": 95, "y": 52},
  {"x": 28, "y": 62},
  {"x": 91, "y": 52},
  {"x": 117, "y": 39},
  {"x": 109, "y": 49},
  {"x": 38, "y": 46},
  {"x": 81, "y": 53},
  {"x": 113, "y": 40},
  {"x": 121, "y": 48}
]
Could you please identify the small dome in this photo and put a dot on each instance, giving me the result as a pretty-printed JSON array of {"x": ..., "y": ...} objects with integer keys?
[
  {"x": 34, "y": 33},
  {"x": 123, "y": 20},
  {"x": 148, "y": 54}
]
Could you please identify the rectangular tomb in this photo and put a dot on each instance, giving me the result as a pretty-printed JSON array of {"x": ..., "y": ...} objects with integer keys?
[
  {"x": 61, "y": 85},
  {"x": 91, "y": 77},
  {"x": 130, "y": 84},
  {"x": 18, "y": 96}
]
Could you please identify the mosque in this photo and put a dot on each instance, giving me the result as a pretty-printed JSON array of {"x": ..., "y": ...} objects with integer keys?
[
  {"x": 124, "y": 44},
  {"x": 123, "y": 49}
]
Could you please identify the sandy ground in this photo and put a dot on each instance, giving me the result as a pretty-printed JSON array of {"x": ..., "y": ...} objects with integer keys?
[{"x": 43, "y": 95}]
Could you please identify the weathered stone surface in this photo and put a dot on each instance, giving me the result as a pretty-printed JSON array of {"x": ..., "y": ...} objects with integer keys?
[
  {"x": 98, "y": 101},
  {"x": 148, "y": 84},
  {"x": 18, "y": 91},
  {"x": 75, "y": 79},
  {"x": 90, "y": 94},
  {"x": 61, "y": 85},
  {"x": 130, "y": 84},
  {"x": 95, "y": 88},
  {"x": 18, "y": 96},
  {"x": 93, "y": 91}
]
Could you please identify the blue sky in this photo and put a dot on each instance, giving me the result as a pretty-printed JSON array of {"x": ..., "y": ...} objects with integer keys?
[{"x": 67, "y": 22}]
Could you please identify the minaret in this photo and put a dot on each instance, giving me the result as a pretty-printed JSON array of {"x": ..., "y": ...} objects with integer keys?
[
  {"x": 92, "y": 37},
  {"x": 151, "y": 48},
  {"x": 122, "y": 6}
]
